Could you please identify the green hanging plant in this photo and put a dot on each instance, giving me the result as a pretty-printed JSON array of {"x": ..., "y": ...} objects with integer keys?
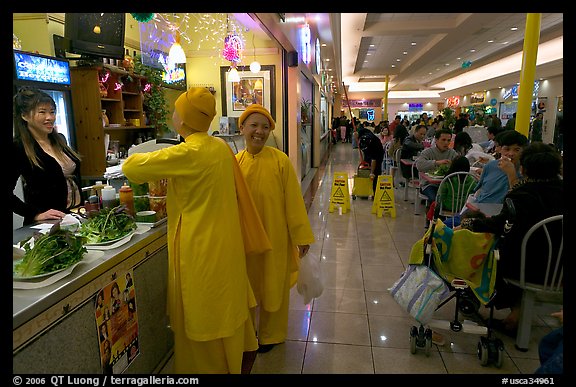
[
  {"x": 155, "y": 104},
  {"x": 449, "y": 117},
  {"x": 143, "y": 17}
]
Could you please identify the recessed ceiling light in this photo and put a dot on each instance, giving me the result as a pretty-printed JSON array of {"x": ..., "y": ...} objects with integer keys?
[
  {"x": 447, "y": 64},
  {"x": 365, "y": 61},
  {"x": 513, "y": 28},
  {"x": 327, "y": 59},
  {"x": 393, "y": 66},
  {"x": 505, "y": 42},
  {"x": 472, "y": 50},
  {"x": 397, "y": 59},
  {"x": 372, "y": 45},
  {"x": 369, "y": 53},
  {"x": 323, "y": 44},
  {"x": 405, "y": 53},
  {"x": 490, "y": 41},
  {"x": 413, "y": 43},
  {"x": 458, "y": 58}
]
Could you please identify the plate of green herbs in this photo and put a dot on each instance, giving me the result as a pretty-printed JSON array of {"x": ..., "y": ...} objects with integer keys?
[
  {"x": 47, "y": 254},
  {"x": 109, "y": 225}
]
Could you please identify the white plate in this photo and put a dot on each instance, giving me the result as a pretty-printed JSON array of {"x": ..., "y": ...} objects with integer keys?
[
  {"x": 14, "y": 276},
  {"x": 111, "y": 241},
  {"x": 37, "y": 282},
  {"x": 152, "y": 225}
]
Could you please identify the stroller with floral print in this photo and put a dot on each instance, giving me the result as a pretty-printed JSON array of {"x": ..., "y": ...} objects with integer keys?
[{"x": 451, "y": 264}]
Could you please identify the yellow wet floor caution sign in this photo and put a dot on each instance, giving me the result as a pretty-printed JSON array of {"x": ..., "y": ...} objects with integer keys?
[
  {"x": 340, "y": 195},
  {"x": 384, "y": 197}
]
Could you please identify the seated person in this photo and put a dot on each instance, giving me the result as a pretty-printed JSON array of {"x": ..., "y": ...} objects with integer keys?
[
  {"x": 537, "y": 196},
  {"x": 499, "y": 175},
  {"x": 413, "y": 144},
  {"x": 551, "y": 349},
  {"x": 488, "y": 145},
  {"x": 431, "y": 158}
]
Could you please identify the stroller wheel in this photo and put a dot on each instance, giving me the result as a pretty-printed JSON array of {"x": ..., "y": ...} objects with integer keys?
[
  {"x": 483, "y": 352},
  {"x": 428, "y": 344},
  {"x": 468, "y": 304},
  {"x": 353, "y": 197},
  {"x": 413, "y": 337},
  {"x": 499, "y": 357}
]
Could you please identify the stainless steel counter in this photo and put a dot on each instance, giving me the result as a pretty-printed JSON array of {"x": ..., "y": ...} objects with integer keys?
[{"x": 59, "y": 318}]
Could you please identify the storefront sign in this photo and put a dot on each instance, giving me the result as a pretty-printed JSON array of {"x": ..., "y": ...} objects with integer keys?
[
  {"x": 453, "y": 101},
  {"x": 362, "y": 103},
  {"x": 477, "y": 98}
]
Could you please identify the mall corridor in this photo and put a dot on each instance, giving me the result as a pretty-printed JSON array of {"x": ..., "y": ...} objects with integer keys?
[{"x": 356, "y": 327}]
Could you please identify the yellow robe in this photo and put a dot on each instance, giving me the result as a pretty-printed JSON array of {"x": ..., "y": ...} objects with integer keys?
[
  {"x": 208, "y": 286},
  {"x": 277, "y": 195}
]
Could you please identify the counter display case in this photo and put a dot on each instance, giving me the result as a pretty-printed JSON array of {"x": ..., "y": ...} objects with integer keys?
[{"x": 54, "y": 328}]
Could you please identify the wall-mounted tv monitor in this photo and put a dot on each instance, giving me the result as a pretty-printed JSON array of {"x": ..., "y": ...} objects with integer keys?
[
  {"x": 175, "y": 77},
  {"x": 96, "y": 34},
  {"x": 41, "y": 68}
]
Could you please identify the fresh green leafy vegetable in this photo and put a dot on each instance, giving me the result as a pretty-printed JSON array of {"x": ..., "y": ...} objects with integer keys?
[
  {"x": 56, "y": 250},
  {"x": 109, "y": 224},
  {"x": 442, "y": 170}
]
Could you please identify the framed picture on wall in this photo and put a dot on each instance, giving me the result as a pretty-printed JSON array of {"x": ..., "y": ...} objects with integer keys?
[{"x": 252, "y": 88}]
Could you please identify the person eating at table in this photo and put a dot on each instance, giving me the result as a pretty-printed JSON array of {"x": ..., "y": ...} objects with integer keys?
[
  {"x": 500, "y": 174},
  {"x": 431, "y": 158},
  {"x": 412, "y": 145}
]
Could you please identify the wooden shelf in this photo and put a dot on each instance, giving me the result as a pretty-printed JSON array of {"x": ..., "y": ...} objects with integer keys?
[{"x": 120, "y": 106}]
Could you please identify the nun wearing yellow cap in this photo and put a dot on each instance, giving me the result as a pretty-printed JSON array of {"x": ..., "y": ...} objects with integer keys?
[
  {"x": 211, "y": 217},
  {"x": 277, "y": 194}
]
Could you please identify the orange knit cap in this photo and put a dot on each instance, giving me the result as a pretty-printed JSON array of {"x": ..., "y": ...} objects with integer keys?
[
  {"x": 256, "y": 108},
  {"x": 196, "y": 108}
]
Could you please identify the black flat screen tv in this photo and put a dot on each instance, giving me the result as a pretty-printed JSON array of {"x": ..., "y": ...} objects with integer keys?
[{"x": 98, "y": 35}]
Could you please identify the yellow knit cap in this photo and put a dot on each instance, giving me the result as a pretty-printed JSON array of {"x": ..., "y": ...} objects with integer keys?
[
  {"x": 256, "y": 108},
  {"x": 196, "y": 108}
]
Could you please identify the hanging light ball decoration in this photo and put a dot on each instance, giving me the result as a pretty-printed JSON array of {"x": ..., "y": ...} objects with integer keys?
[
  {"x": 233, "y": 46},
  {"x": 143, "y": 17},
  {"x": 255, "y": 66},
  {"x": 466, "y": 64}
]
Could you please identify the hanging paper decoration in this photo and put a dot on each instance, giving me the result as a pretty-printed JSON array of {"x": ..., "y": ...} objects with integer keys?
[
  {"x": 466, "y": 64},
  {"x": 233, "y": 46},
  {"x": 143, "y": 17}
]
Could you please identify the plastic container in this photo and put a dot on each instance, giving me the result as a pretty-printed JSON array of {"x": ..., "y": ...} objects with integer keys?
[
  {"x": 141, "y": 203},
  {"x": 158, "y": 204},
  {"x": 109, "y": 197},
  {"x": 127, "y": 198},
  {"x": 158, "y": 187}
]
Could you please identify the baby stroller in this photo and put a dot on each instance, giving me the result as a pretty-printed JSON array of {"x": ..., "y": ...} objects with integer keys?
[{"x": 460, "y": 265}]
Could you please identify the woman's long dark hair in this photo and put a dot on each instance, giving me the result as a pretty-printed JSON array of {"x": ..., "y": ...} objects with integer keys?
[{"x": 25, "y": 101}]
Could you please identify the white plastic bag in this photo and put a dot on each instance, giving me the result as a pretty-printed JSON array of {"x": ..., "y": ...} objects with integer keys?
[
  {"x": 310, "y": 279},
  {"x": 419, "y": 291}
]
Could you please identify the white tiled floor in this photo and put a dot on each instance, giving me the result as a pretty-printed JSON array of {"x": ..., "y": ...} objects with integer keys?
[{"x": 356, "y": 327}]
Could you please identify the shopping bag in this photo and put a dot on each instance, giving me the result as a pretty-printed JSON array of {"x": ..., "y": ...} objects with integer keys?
[
  {"x": 419, "y": 291},
  {"x": 310, "y": 283}
]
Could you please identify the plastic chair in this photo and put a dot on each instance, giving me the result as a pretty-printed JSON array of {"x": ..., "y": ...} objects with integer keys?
[
  {"x": 544, "y": 297},
  {"x": 414, "y": 183},
  {"x": 457, "y": 193},
  {"x": 395, "y": 170},
  {"x": 387, "y": 163}
]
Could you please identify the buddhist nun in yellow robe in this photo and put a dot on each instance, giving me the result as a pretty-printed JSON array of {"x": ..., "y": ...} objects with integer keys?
[
  {"x": 211, "y": 226},
  {"x": 277, "y": 194}
]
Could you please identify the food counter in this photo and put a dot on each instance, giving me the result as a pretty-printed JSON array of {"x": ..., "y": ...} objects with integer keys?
[{"x": 55, "y": 329}]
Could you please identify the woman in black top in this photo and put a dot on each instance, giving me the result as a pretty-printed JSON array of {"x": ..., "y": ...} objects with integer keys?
[
  {"x": 48, "y": 166},
  {"x": 538, "y": 196}
]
